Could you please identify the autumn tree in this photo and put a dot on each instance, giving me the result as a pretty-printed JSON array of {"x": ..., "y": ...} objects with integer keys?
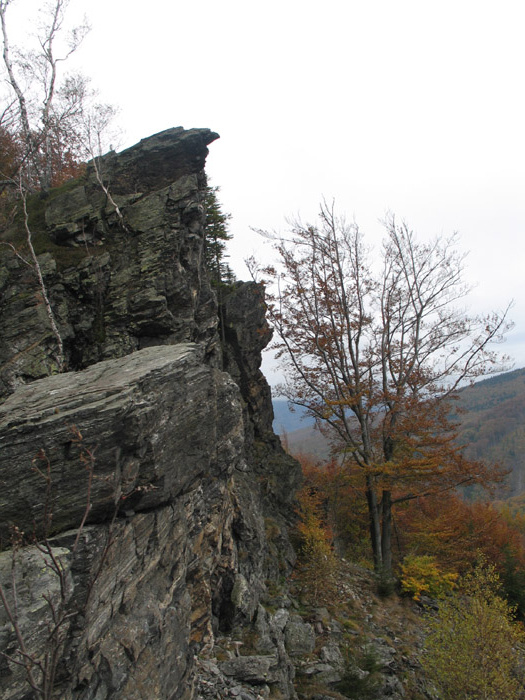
[
  {"x": 375, "y": 352},
  {"x": 345, "y": 510},
  {"x": 453, "y": 531},
  {"x": 52, "y": 117}
]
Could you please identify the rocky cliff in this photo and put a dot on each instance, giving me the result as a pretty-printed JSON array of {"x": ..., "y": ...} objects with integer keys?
[{"x": 144, "y": 496}]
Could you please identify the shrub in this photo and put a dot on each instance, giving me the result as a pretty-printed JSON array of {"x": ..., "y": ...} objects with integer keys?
[
  {"x": 361, "y": 677},
  {"x": 316, "y": 571},
  {"x": 422, "y": 575},
  {"x": 471, "y": 651}
]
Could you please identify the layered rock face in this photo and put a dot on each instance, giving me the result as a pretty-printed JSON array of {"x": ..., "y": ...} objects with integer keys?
[
  {"x": 148, "y": 470},
  {"x": 116, "y": 283}
]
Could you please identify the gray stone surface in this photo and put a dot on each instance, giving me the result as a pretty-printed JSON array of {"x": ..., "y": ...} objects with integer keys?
[
  {"x": 157, "y": 421},
  {"x": 166, "y": 431},
  {"x": 252, "y": 669},
  {"x": 186, "y": 468},
  {"x": 299, "y": 637},
  {"x": 115, "y": 285},
  {"x": 331, "y": 654}
]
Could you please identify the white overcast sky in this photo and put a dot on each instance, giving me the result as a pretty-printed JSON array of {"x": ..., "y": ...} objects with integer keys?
[{"x": 405, "y": 106}]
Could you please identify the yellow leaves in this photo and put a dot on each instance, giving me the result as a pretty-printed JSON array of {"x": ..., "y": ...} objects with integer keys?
[
  {"x": 422, "y": 575},
  {"x": 472, "y": 643}
]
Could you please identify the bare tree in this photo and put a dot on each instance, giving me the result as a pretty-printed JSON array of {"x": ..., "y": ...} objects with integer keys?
[
  {"x": 95, "y": 127},
  {"x": 376, "y": 357},
  {"x": 51, "y": 123},
  {"x": 45, "y": 107}
]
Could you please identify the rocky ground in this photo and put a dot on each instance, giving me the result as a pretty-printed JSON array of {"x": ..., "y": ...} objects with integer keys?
[{"x": 360, "y": 646}]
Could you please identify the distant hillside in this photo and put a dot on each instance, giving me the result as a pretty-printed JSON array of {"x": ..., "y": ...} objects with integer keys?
[
  {"x": 492, "y": 426},
  {"x": 286, "y": 421}
]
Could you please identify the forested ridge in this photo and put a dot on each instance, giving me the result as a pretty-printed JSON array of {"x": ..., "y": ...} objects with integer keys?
[{"x": 493, "y": 424}]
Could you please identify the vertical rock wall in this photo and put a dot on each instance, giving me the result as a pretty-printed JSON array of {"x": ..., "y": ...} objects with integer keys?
[{"x": 166, "y": 434}]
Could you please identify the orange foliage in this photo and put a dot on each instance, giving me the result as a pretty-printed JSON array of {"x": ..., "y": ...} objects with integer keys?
[
  {"x": 64, "y": 164},
  {"x": 9, "y": 161},
  {"x": 453, "y": 530},
  {"x": 343, "y": 503},
  {"x": 62, "y": 161},
  {"x": 443, "y": 526}
]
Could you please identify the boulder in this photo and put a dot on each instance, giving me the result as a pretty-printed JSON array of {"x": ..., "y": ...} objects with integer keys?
[
  {"x": 163, "y": 432},
  {"x": 151, "y": 425},
  {"x": 299, "y": 637}
]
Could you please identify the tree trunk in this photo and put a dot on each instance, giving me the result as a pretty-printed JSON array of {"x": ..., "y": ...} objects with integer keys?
[
  {"x": 375, "y": 525},
  {"x": 386, "y": 534}
]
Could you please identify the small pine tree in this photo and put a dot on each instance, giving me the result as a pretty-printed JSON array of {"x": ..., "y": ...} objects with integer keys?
[
  {"x": 472, "y": 651},
  {"x": 217, "y": 235}
]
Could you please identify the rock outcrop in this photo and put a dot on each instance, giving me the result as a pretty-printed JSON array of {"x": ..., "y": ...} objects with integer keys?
[
  {"x": 116, "y": 283},
  {"x": 148, "y": 469}
]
